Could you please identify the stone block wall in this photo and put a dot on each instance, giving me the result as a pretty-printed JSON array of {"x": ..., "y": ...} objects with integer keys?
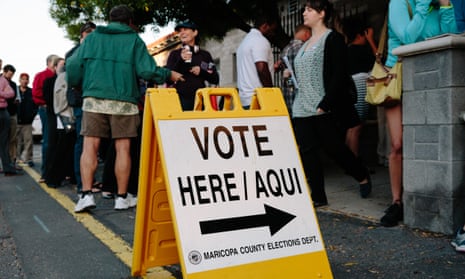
[{"x": 434, "y": 140}]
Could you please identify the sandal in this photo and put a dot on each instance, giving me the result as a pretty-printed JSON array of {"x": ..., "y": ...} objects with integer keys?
[{"x": 97, "y": 187}]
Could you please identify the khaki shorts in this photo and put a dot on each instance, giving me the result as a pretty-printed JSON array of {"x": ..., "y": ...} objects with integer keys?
[{"x": 109, "y": 126}]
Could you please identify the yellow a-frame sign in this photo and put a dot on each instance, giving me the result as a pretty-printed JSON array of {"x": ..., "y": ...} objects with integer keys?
[{"x": 222, "y": 192}]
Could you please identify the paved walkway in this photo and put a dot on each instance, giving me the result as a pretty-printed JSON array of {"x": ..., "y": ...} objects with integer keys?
[
  {"x": 356, "y": 247},
  {"x": 343, "y": 194}
]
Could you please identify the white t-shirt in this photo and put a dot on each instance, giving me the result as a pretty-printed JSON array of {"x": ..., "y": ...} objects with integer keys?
[{"x": 253, "y": 48}]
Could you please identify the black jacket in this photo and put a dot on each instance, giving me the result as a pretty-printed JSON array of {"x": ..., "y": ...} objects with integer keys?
[
  {"x": 27, "y": 109},
  {"x": 187, "y": 88},
  {"x": 336, "y": 75}
]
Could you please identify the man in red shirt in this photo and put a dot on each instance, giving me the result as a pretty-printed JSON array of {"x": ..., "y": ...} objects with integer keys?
[{"x": 38, "y": 98}]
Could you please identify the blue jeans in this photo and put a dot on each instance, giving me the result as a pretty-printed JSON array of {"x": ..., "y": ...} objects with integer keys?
[
  {"x": 78, "y": 148},
  {"x": 43, "y": 118}
]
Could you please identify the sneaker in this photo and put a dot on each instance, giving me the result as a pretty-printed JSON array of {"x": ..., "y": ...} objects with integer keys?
[
  {"x": 125, "y": 203},
  {"x": 132, "y": 200},
  {"x": 459, "y": 242},
  {"x": 85, "y": 203},
  {"x": 394, "y": 214}
]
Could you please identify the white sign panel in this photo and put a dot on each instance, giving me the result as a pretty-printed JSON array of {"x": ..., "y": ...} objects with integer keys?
[{"x": 238, "y": 191}]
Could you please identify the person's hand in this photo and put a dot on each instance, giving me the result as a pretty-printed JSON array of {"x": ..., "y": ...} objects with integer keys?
[
  {"x": 319, "y": 111},
  {"x": 444, "y": 2},
  {"x": 286, "y": 73},
  {"x": 195, "y": 70},
  {"x": 186, "y": 54},
  {"x": 422, "y": 6},
  {"x": 175, "y": 76},
  {"x": 369, "y": 33},
  {"x": 277, "y": 65}
]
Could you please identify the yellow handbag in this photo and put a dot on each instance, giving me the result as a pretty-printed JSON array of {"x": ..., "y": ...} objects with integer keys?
[{"x": 384, "y": 85}]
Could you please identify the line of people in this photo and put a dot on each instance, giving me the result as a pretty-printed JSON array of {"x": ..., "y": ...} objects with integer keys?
[
  {"x": 100, "y": 74},
  {"x": 322, "y": 110},
  {"x": 17, "y": 112}
]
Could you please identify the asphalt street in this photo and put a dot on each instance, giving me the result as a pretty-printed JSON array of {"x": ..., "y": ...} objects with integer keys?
[{"x": 41, "y": 238}]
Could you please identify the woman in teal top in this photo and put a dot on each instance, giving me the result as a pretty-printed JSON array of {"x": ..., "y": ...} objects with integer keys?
[
  {"x": 323, "y": 107},
  {"x": 427, "y": 18}
]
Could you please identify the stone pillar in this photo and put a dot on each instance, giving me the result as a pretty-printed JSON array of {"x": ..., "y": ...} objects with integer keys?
[{"x": 434, "y": 133}]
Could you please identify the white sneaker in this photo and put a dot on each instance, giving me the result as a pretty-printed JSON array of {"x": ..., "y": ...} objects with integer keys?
[
  {"x": 85, "y": 203},
  {"x": 122, "y": 204},
  {"x": 132, "y": 200}
]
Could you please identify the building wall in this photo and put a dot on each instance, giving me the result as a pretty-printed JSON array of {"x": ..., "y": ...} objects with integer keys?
[{"x": 224, "y": 53}]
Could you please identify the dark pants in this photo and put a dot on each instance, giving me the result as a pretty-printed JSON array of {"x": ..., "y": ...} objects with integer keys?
[
  {"x": 322, "y": 132},
  {"x": 4, "y": 140},
  {"x": 60, "y": 158},
  {"x": 78, "y": 148},
  {"x": 43, "y": 118},
  {"x": 109, "y": 183}
]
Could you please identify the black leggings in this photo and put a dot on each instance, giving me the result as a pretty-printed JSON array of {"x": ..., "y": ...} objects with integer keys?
[{"x": 322, "y": 131}]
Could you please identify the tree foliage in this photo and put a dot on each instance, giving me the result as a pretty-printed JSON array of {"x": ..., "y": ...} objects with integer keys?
[{"x": 214, "y": 17}]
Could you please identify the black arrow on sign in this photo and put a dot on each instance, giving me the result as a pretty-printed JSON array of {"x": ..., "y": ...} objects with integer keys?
[{"x": 274, "y": 218}]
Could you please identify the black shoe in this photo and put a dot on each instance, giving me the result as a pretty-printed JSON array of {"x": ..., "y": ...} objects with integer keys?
[
  {"x": 394, "y": 214},
  {"x": 13, "y": 173},
  {"x": 365, "y": 189},
  {"x": 320, "y": 203}
]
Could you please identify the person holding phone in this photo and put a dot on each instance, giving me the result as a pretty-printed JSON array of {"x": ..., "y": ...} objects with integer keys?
[{"x": 195, "y": 64}]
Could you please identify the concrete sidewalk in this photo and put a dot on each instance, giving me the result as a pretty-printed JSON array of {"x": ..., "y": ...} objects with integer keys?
[{"x": 344, "y": 197}]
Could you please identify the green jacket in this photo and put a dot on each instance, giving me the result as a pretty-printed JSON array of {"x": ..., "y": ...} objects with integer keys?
[{"x": 109, "y": 63}]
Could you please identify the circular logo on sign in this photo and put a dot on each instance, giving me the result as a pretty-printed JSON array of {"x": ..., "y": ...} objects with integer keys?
[{"x": 195, "y": 257}]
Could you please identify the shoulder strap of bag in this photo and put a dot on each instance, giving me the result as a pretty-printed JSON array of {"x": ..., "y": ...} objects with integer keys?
[{"x": 383, "y": 38}]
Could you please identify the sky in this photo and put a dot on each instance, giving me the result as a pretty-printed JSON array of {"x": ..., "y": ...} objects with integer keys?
[{"x": 28, "y": 35}]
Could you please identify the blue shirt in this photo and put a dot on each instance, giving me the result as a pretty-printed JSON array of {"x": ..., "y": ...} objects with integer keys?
[
  {"x": 459, "y": 9},
  {"x": 425, "y": 22}
]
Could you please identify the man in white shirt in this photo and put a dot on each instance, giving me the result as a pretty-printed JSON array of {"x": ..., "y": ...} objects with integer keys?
[{"x": 253, "y": 55}]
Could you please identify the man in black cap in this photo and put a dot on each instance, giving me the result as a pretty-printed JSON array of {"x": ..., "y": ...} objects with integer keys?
[{"x": 195, "y": 64}]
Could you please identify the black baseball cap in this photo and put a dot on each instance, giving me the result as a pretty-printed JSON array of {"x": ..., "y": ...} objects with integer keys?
[{"x": 186, "y": 24}]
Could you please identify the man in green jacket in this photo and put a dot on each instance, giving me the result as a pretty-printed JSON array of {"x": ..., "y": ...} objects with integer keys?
[{"x": 107, "y": 65}]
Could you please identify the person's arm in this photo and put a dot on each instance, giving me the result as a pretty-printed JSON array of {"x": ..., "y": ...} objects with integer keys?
[
  {"x": 176, "y": 62},
  {"x": 260, "y": 55},
  {"x": 146, "y": 67},
  {"x": 210, "y": 75},
  {"x": 6, "y": 91},
  {"x": 74, "y": 69},
  {"x": 335, "y": 73},
  {"x": 371, "y": 40},
  {"x": 405, "y": 29},
  {"x": 447, "y": 21},
  {"x": 264, "y": 73}
]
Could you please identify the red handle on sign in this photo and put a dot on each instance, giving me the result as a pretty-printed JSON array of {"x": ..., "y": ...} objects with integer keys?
[{"x": 217, "y": 99}]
